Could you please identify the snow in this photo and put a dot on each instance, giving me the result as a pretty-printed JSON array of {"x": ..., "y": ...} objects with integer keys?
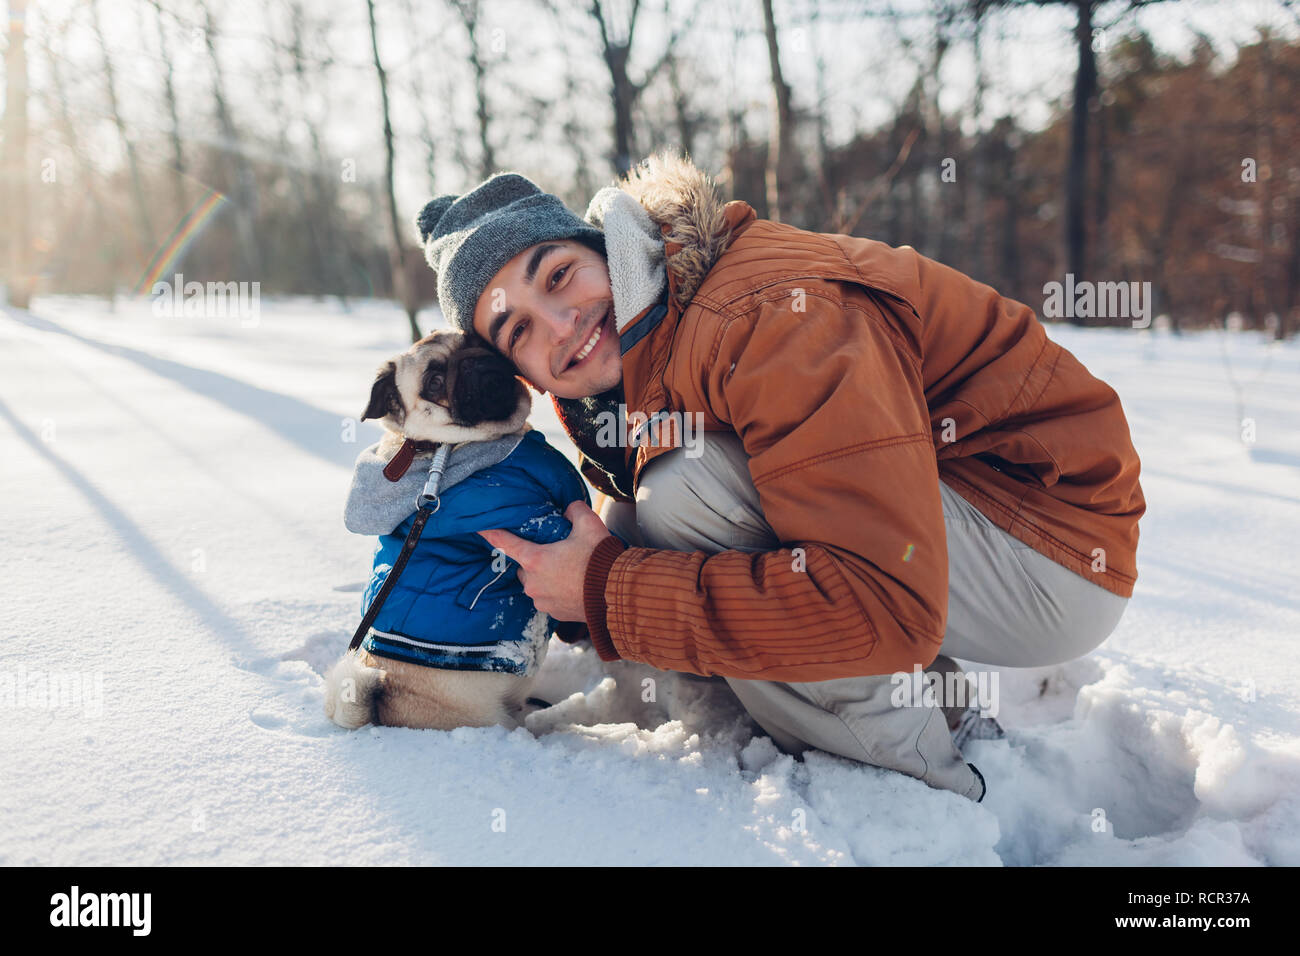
[{"x": 174, "y": 552}]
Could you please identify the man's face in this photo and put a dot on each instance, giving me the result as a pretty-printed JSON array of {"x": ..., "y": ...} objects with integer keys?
[{"x": 542, "y": 310}]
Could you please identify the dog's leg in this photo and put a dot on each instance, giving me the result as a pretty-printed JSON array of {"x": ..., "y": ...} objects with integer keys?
[{"x": 352, "y": 689}]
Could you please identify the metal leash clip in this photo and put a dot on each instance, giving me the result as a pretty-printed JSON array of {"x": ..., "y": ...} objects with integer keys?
[{"x": 436, "y": 467}]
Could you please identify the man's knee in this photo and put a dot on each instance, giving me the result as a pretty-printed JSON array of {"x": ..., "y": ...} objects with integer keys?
[
  {"x": 621, "y": 519},
  {"x": 707, "y": 501},
  {"x": 1011, "y": 605}
]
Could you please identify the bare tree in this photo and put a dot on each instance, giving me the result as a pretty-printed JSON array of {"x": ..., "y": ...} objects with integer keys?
[
  {"x": 397, "y": 259},
  {"x": 132, "y": 160},
  {"x": 778, "y": 156},
  {"x": 173, "y": 111},
  {"x": 275, "y": 98},
  {"x": 420, "y": 97},
  {"x": 245, "y": 183},
  {"x": 1085, "y": 87},
  {"x": 977, "y": 187},
  {"x": 624, "y": 91},
  {"x": 830, "y": 199},
  {"x": 324, "y": 204},
  {"x": 686, "y": 120},
  {"x": 15, "y": 126},
  {"x": 468, "y": 11},
  {"x": 60, "y": 108},
  {"x": 1085, "y": 91}
]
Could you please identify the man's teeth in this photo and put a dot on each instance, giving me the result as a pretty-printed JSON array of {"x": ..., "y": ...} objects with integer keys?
[{"x": 586, "y": 349}]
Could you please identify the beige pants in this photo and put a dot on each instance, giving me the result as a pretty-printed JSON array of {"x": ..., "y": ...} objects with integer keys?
[{"x": 1008, "y": 606}]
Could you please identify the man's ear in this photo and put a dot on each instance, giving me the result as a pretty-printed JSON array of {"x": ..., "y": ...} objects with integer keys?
[{"x": 384, "y": 397}]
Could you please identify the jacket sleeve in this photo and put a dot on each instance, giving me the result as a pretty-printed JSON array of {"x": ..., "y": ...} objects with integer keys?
[{"x": 830, "y": 407}]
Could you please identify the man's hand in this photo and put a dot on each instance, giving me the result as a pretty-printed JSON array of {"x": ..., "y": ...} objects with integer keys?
[{"x": 552, "y": 574}]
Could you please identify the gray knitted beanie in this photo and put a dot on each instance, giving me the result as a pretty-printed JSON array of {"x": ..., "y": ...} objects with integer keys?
[{"x": 467, "y": 239}]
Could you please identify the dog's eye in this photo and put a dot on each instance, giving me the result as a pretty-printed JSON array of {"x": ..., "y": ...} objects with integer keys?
[{"x": 433, "y": 385}]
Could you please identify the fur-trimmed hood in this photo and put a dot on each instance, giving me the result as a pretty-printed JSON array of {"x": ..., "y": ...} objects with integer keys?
[
  {"x": 676, "y": 192},
  {"x": 665, "y": 202}
]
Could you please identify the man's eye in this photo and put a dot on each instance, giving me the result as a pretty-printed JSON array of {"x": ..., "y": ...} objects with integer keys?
[
  {"x": 555, "y": 276},
  {"x": 514, "y": 335}
]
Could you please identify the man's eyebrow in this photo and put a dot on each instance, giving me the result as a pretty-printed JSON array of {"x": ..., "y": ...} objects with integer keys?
[{"x": 530, "y": 273}]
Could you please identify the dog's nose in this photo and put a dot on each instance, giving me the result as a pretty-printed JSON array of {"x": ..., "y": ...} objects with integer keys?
[{"x": 484, "y": 388}]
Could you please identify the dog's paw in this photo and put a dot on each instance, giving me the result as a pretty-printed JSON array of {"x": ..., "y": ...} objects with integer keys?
[{"x": 350, "y": 691}]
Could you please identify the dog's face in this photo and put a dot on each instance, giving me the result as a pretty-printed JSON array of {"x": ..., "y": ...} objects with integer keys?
[{"x": 445, "y": 380}]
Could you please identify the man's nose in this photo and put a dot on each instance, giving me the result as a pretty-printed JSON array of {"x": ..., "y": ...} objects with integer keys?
[{"x": 563, "y": 320}]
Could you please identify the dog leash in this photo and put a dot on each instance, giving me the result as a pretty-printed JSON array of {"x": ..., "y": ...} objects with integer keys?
[{"x": 427, "y": 504}]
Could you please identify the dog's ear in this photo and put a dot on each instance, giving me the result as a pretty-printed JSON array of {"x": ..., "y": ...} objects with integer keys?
[
  {"x": 384, "y": 397},
  {"x": 486, "y": 389}
]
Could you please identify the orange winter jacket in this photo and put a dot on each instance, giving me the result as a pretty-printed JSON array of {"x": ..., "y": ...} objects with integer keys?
[{"x": 857, "y": 375}]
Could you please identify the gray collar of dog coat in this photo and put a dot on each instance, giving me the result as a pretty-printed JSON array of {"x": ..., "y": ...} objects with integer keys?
[{"x": 377, "y": 506}]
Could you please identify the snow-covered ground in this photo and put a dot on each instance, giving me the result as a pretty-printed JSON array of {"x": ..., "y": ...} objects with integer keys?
[{"x": 172, "y": 540}]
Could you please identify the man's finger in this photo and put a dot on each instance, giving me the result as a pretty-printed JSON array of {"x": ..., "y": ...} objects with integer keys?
[
  {"x": 510, "y": 545},
  {"x": 580, "y": 513}
]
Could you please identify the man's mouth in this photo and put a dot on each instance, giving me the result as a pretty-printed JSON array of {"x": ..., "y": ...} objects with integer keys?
[{"x": 589, "y": 346}]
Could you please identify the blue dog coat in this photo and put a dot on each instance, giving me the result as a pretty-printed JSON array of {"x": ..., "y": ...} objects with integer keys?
[{"x": 455, "y": 607}]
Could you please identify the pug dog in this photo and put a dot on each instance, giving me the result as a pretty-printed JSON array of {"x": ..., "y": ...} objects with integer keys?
[
  {"x": 452, "y": 387},
  {"x": 447, "y": 387}
]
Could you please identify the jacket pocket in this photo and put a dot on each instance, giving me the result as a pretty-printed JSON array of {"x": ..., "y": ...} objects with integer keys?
[
  {"x": 486, "y": 582},
  {"x": 1022, "y": 473}
]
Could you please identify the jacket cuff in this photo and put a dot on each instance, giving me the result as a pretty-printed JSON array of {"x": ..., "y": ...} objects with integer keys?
[{"x": 593, "y": 595}]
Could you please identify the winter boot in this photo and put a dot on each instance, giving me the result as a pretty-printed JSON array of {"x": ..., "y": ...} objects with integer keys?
[
  {"x": 971, "y": 726},
  {"x": 964, "y": 720}
]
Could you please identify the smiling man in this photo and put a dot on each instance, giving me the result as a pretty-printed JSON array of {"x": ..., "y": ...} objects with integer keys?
[
  {"x": 900, "y": 467},
  {"x": 558, "y": 329}
]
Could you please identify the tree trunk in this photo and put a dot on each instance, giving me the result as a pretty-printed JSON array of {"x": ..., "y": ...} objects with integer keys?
[
  {"x": 778, "y": 155},
  {"x": 420, "y": 96},
  {"x": 1085, "y": 86},
  {"x": 469, "y": 15},
  {"x": 15, "y": 165},
  {"x": 297, "y": 183},
  {"x": 98, "y": 222},
  {"x": 173, "y": 113},
  {"x": 623, "y": 98},
  {"x": 975, "y": 184},
  {"x": 324, "y": 178},
  {"x": 137, "y": 186},
  {"x": 396, "y": 260},
  {"x": 686, "y": 123},
  {"x": 1100, "y": 254},
  {"x": 245, "y": 183}
]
